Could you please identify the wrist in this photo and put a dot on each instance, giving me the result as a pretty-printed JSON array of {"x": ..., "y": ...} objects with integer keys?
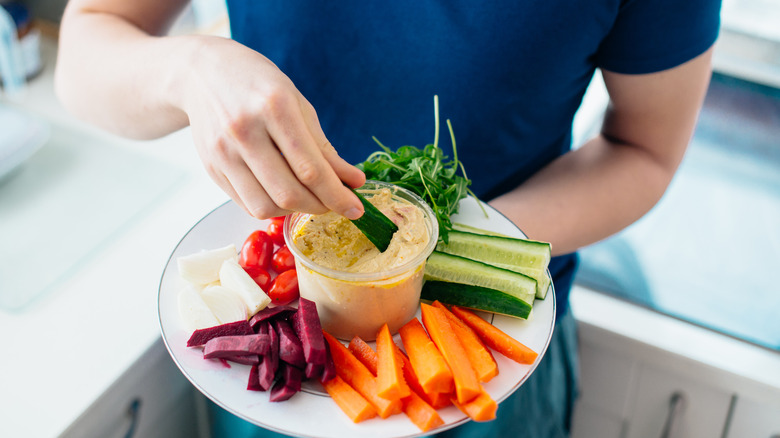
[{"x": 176, "y": 77}]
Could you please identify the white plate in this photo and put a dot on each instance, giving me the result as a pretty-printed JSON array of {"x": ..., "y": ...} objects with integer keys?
[{"x": 311, "y": 413}]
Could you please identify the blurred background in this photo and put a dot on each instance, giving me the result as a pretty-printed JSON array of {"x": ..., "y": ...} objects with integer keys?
[{"x": 682, "y": 305}]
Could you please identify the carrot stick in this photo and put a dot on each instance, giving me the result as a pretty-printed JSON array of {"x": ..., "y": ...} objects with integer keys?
[
  {"x": 495, "y": 338},
  {"x": 350, "y": 401},
  {"x": 415, "y": 405},
  {"x": 428, "y": 363},
  {"x": 364, "y": 353},
  {"x": 359, "y": 377},
  {"x": 466, "y": 383},
  {"x": 481, "y": 408},
  {"x": 389, "y": 377},
  {"x": 437, "y": 400},
  {"x": 481, "y": 358},
  {"x": 421, "y": 413}
]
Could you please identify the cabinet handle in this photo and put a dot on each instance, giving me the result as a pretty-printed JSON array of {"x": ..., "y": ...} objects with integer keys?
[
  {"x": 133, "y": 412},
  {"x": 676, "y": 406}
]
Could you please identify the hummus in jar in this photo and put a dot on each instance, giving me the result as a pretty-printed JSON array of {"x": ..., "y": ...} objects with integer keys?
[
  {"x": 356, "y": 287},
  {"x": 333, "y": 241}
]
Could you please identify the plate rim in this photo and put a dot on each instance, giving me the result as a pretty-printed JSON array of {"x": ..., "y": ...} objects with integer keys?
[{"x": 550, "y": 296}]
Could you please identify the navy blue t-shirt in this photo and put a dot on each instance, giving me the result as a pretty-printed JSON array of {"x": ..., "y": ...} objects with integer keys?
[{"x": 509, "y": 75}]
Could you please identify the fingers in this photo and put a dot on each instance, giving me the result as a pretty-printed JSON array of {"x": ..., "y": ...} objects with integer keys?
[
  {"x": 319, "y": 171},
  {"x": 249, "y": 167},
  {"x": 270, "y": 170},
  {"x": 346, "y": 172},
  {"x": 257, "y": 201},
  {"x": 241, "y": 186},
  {"x": 349, "y": 174},
  {"x": 270, "y": 156},
  {"x": 221, "y": 180}
]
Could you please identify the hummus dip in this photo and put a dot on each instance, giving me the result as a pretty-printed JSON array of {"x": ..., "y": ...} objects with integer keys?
[
  {"x": 333, "y": 241},
  {"x": 356, "y": 287}
]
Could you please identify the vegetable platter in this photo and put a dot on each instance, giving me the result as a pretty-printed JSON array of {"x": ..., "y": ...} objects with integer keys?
[{"x": 312, "y": 413}]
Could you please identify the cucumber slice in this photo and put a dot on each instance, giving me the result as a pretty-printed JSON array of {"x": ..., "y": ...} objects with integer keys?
[
  {"x": 375, "y": 225},
  {"x": 475, "y": 297},
  {"x": 528, "y": 257},
  {"x": 471, "y": 229},
  {"x": 540, "y": 275},
  {"x": 506, "y": 250},
  {"x": 447, "y": 267}
]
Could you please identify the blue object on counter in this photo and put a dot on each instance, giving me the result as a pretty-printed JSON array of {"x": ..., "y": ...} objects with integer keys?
[{"x": 11, "y": 60}]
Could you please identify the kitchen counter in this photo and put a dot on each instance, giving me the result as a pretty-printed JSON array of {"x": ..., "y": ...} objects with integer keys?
[{"x": 66, "y": 347}]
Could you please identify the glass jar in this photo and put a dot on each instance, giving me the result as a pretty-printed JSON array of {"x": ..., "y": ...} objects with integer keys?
[{"x": 359, "y": 303}]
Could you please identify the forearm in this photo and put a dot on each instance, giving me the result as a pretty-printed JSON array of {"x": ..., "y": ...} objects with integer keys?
[
  {"x": 113, "y": 74},
  {"x": 587, "y": 194},
  {"x": 258, "y": 137}
]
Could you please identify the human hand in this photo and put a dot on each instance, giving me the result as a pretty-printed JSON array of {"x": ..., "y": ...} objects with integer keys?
[{"x": 259, "y": 139}]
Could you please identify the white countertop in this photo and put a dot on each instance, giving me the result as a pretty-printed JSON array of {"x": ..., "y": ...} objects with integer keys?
[{"x": 64, "y": 350}]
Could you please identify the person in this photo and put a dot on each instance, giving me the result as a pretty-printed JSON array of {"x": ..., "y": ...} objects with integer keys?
[{"x": 282, "y": 111}]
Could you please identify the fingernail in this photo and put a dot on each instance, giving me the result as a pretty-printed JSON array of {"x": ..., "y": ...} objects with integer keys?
[{"x": 353, "y": 213}]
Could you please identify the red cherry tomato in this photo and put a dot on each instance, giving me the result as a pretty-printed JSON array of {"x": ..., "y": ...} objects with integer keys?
[
  {"x": 283, "y": 259},
  {"x": 257, "y": 251},
  {"x": 279, "y": 219},
  {"x": 284, "y": 288},
  {"x": 260, "y": 276},
  {"x": 276, "y": 231}
]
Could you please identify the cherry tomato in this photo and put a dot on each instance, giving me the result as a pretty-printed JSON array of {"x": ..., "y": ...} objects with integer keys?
[
  {"x": 283, "y": 259},
  {"x": 257, "y": 251},
  {"x": 260, "y": 276},
  {"x": 279, "y": 219},
  {"x": 284, "y": 288},
  {"x": 276, "y": 231}
]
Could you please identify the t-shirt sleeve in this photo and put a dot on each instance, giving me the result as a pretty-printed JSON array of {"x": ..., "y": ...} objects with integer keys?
[{"x": 654, "y": 35}]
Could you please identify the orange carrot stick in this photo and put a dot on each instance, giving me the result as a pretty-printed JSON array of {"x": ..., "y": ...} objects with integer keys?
[
  {"x": 421, "y": 413},
  {"x": 437, "y": 400},
  {"x": 428, "y": 363},
  {"x": 481, "y": 408},
  {"x": 389, "y": 377},
  {"x": 359, "y": 377},
  {"x": 350, "y": 401},
  {"x": 364, "y": 353},
  {"x": 495, "y": 338},
  {"x": 466, "y": 383},
  {"x": 415, "y": 406},
  {"x": 481, "y": 358}
]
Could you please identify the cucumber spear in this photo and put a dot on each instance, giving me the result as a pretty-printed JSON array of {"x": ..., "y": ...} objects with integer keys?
[{"x": 375, "y": 225}]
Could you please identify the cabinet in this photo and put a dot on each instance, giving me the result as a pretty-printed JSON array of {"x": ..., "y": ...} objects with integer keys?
[
  {"x": 631, "y": 389},
  {"x": 606, "y": 378},
  {"x": 754, "y": 417},
  {"x": 152, "y": 399},
  {"x": 666, "y": 401}
]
